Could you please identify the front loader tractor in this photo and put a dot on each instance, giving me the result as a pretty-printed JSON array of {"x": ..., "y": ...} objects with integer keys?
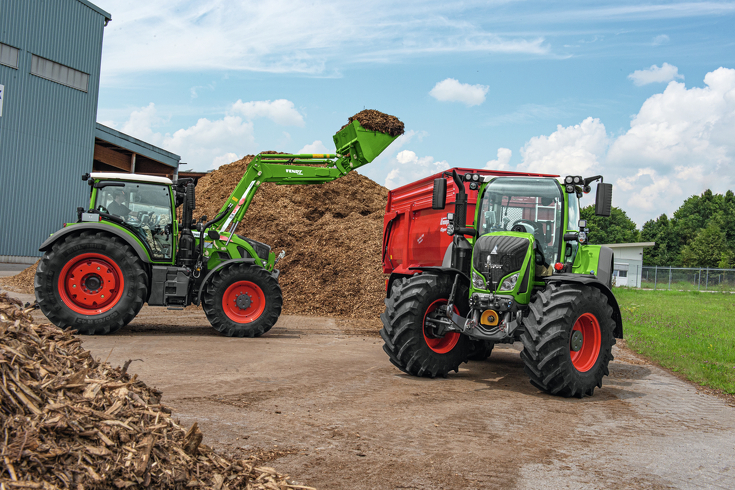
[
  {"x": 522, "y": 272},
  {"x": 129, "y": 247}
]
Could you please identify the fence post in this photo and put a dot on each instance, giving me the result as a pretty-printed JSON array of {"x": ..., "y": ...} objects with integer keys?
[
  {"x": 669, "y": 278},
  {"x": 699, "y": 280},
  {"x": 706, "y": 280},
  {"x": 655, "y": 277}
]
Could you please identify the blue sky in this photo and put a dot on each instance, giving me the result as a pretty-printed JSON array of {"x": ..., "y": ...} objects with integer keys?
[{"x": 641, "y": 93}]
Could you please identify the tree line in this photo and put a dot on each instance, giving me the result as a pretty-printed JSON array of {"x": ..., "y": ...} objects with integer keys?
[{"x": 701, "y": 233}]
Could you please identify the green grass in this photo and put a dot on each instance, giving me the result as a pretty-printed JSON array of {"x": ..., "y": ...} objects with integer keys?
[{"x": 690, "y": 333}]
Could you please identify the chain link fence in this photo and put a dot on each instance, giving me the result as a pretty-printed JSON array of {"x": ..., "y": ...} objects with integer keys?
[{"x": 680, "y": 278}]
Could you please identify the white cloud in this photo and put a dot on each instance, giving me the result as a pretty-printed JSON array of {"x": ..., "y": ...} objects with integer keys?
[
  {"x": 224, "y": 159},
  {"x": 680, "y": 143},
  {"x": 282, "y": 36},
  {"x": 654, "y": 74},
  {"x": 141, "y": 122},
  {"x": 501, "y": 163},
  {"x": 315, "y": 147},
  {"x": 660, "y": 39},
  {"x": 412, "y": 167},
  {"x": 279, "y": 111},
  {"x": 572, "y": 150},
  {"x": 205, "y": 145},
  {"x": 451, "y": 90}
]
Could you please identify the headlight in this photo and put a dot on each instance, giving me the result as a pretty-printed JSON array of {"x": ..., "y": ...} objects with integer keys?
[
  {"x": 478, "y": 281},
  {"x": 509, "y": 283}
]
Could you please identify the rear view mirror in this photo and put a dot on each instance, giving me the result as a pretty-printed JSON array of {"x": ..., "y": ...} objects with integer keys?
[
  {"x": 603, "y": 203},
  {"x": 439, "y": 199}
]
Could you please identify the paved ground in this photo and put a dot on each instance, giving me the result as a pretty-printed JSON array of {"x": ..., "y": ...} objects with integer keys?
[{"x": 323, "y": 396}]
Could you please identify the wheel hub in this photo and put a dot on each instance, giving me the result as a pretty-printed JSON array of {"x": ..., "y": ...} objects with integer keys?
[
  {"x": 91, "y": 283},
  {"x": 577, "y": 341},
  {"x": 243, "y": 301}
]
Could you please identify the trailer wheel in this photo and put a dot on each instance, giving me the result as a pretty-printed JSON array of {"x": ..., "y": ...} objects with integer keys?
[
  {"x": 410, "y": 345},
  {"x": 567, "y": 343},
  {"x": 242, "y": 301},
  {"x": 91, "y": 282}
]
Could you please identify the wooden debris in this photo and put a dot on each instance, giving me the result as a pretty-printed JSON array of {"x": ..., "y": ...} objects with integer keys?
[{"x": 69, "y": 421}]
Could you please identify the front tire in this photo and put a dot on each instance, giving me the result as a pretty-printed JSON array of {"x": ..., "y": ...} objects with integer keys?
[
  {"x": 411, "y": 347},
  {"x": 567, "y": 343},
  {"x": 92, "y": 282},
  {"x": 242, "y": 301}
]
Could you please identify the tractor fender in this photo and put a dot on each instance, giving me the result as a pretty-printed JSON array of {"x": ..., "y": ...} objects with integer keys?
[
  {"x": 596, "y": 283},
  {"x": 431, "y": 270},
  {"x": 221, "y": 265},
  {"x": 142, "y": 254}
]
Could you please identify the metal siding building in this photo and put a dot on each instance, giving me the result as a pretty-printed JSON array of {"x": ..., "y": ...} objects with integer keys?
[{"x": 47, "y": 127}]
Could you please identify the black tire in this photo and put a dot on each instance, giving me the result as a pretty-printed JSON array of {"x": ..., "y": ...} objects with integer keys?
[
  {"x": 547, "y": 339},
  {"x": 64, "y": 308},
  {"x": 403, "y": 327},
  {"x": 247, "y": 319},
  {"x": 482, "y": 350}
]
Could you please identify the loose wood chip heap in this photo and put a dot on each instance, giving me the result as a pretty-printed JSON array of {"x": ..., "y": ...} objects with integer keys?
[
  {"x": 69, "y": 421},
  {"x": 377, "y": 121}
]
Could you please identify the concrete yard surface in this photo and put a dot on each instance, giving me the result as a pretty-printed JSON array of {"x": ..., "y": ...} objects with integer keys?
[{"x": 322, "y": 397}]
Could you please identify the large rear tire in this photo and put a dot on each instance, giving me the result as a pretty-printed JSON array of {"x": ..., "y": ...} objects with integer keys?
[
  {"x": 567, "y": 343},
  {"x": 410, "y": 346},
  {"x": 92, "y": 282},
  {"x": 242, "y": 301}
]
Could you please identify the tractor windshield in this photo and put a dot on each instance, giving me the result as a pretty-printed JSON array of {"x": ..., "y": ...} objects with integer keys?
[
  {"x": 525, "y": 204},
  {"x": 146, "y": 208}
]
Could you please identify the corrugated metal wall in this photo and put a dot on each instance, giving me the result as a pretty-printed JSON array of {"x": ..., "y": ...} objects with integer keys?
[{"x": 47, "y": 129}]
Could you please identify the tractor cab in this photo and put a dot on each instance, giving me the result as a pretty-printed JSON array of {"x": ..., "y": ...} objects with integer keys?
[
  {"x": 144, "y": 204},
  {"x": 525, "y": 205}
]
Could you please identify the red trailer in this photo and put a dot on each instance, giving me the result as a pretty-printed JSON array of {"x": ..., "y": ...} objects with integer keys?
[{"x": 415, "y": 235}]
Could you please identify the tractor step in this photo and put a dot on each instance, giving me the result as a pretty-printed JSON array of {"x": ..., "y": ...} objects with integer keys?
[{"x": 175, "y": 308}]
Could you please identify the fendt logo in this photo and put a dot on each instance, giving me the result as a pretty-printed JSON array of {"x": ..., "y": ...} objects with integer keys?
[
  {"x": 290, "y": 171},
  {"x": 444, "y": 221}
]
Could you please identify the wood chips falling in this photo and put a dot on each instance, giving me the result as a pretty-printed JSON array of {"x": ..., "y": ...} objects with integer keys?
[{"x": 69, "y": 421}]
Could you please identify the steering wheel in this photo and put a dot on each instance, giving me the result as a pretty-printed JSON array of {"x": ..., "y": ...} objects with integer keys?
[{"x": 517, "y": 226}]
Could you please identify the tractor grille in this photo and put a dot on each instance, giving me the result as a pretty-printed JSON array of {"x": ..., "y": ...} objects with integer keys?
[
  {"x": 508, "y": 257},
  {"x": 261, "y": 249}
]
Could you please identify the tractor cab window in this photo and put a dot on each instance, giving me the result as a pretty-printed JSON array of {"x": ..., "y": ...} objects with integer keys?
[
  {"x": 525, "y": 204},
  {"x": 574, "y": 215},
  {"x": 145, "y": 208}
]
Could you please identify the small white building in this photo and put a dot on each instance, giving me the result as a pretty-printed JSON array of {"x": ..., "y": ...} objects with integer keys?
[{"x": 628, "y": 264}]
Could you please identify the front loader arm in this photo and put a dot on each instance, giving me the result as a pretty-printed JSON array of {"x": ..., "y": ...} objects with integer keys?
[{"x": 356, "y": 147}]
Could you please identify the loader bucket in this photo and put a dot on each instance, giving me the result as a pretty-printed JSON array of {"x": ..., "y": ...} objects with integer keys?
[{"x": 362, "y": 145}]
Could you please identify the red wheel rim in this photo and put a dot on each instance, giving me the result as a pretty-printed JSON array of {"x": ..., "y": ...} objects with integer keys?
[
  {"x": 444, "y": 344},
  {"x": 245, "y": 309},
  {"x": 91, "y": 284},
  {"x": 586, "y": 357}
]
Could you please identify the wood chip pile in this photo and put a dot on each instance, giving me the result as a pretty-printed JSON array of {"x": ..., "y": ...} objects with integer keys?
[
  {"x": 69, "y": 421},
  {"x": 377, "y": 121},
  {"x": 21, "y": 282}
]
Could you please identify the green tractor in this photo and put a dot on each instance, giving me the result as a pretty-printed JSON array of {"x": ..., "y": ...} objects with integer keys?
[
  {"x": 128, "y": 248},
  {"x": 524, "y": 272}
]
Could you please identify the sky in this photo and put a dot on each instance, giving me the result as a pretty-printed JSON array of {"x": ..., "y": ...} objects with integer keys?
[{"x": 641, "y": 93}]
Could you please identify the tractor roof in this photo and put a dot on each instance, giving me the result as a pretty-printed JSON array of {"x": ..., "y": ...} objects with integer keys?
[{"x": 130, "y": 177}]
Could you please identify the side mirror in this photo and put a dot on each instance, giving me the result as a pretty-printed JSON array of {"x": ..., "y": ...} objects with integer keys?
[
  {"x": 603, "y": 203},
  {"x": 439, "y": 199}
]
